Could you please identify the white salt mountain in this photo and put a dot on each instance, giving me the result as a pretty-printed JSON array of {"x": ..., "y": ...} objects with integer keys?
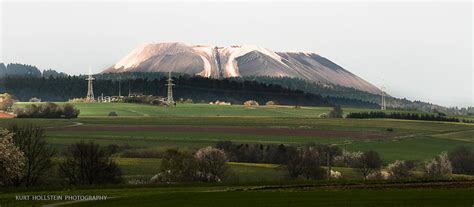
[{"x": 235, "y": 61}]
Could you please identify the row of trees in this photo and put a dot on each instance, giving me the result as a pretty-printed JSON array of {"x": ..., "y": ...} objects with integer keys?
[
  {"x": 307, "y": 161},
  {"x": 47, "y": 110},
  {"x": 408, "y": 116}
]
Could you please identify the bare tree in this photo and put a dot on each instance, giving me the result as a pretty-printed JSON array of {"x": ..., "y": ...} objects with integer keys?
[
  {"x": 368, "y": 163},
  {"x": 31, "y": 140},
  {"x": 306, "y": 163},
  {"x": 87, "y": 164}
]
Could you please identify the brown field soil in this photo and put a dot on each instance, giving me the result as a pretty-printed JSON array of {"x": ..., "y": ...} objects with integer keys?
[
  {"x": 4, "y": 115},
  {"x": 231, "y": 130}
]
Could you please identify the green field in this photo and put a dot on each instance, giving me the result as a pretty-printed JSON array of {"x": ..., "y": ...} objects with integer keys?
[
  {"x": 144, "y": 126},
  {"x": 203, "y": 195},
  {"x": 192, "y": 126}
]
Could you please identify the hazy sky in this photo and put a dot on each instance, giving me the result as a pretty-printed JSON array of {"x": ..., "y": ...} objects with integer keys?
[{"x": 422, "y": 51}]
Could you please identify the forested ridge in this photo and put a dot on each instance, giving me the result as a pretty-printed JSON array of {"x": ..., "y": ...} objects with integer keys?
[{"x": 197, "y": 88}]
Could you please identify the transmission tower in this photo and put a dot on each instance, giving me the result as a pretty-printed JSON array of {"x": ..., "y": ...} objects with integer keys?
[
  {"x": 170, "y": 85},
  {"x": 90, "y": 89}
]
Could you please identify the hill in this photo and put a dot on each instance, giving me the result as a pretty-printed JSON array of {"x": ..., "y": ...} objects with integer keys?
[{"x": 237, "y": 61}]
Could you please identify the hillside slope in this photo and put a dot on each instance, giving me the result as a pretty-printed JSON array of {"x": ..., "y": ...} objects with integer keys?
[{"x": 237, "y": 61}]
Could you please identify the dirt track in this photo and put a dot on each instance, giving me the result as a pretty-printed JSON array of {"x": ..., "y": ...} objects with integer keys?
[{"x": 230, "y": 130}]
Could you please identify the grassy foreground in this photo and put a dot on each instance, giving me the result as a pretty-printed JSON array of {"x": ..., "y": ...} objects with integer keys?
[{"x": 259, "y": 196}]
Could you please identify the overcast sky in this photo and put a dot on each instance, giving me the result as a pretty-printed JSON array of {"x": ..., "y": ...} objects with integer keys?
[{"x": 421, "y": 51}]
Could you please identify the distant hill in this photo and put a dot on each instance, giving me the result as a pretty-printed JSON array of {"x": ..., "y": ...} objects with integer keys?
[
  {"x": 16, "y": 69},
  {"x": 237, "y": 61}
]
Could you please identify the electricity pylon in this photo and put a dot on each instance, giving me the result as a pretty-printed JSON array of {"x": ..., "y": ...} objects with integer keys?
[
  {"x": 90, "y": 89},
  {"x": 170, "y": 85}
]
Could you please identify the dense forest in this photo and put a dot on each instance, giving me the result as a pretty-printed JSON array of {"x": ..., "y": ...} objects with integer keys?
[{"x": 197, "y": 88}]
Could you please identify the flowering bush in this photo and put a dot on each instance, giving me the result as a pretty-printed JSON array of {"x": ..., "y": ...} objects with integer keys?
[
  {"x": 378, "y": 175},
  {"x": 348, "y": 159},
  {"x": 439, "y": 167},
  {"x": 11, "y": 159},
  {"x": 335, "y": 174},
  {"x": 399, "y": 170},
  {"x": 211, "y": 164}
]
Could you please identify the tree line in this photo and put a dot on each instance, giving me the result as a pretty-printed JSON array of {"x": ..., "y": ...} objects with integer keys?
[{"x": 397, "y": 115}]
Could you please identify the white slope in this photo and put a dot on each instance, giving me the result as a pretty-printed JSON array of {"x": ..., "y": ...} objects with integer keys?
[
  {"x": 148, "y": 50},
  {"x": 205, "y": 52},
  {"x": 230, "y": 53}
]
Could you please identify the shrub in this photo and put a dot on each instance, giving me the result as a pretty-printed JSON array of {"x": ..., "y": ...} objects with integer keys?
[
  {"x": 271, "y": 103},
  {"x": 69, "y": 111},
  {"x": 48, "y": 110},
  {"x": 12, "y": 159},
  {"x": 211, "y": 164},
  {"x": 438, "y": 167},
  {"x": 462, "y": 160},
  {"x": 87, "y": 164},
  {"x": 336, "y": 112},
  {"x": 38, "y": 154},
  {"x": 251, "y": 103},
  {"x": 378, "y": 175},
  {"x": 335, "y": 174},
  {"x": 399, "y": 170},
  {"x": 113, "y": 113},
  {"x": 323, "y": 116}
]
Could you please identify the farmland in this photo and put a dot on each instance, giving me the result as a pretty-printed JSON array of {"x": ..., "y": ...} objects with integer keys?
[
  {"x": 193, "y": 126},
  {"x": 197, "y": 125}
]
